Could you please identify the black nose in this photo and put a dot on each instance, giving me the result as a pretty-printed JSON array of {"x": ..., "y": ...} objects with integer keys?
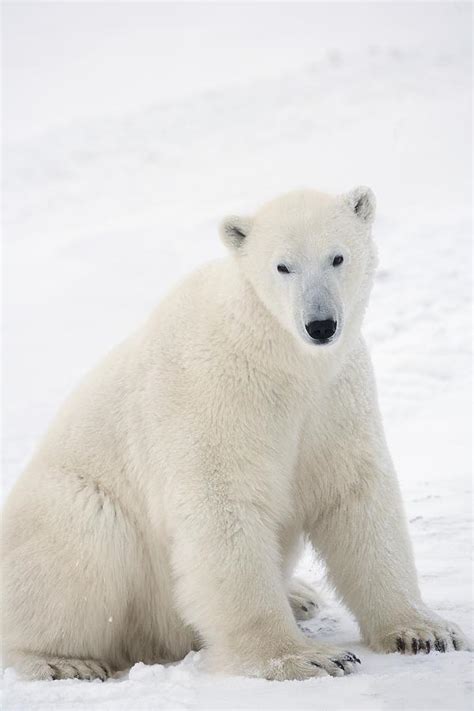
[{"x": 321, "y": 330}]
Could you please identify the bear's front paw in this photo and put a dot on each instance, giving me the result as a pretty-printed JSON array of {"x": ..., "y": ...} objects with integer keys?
[
  {"x": 314, "y": 661},
  {"x": 304, "y": 600},
  {"x": 423, "y": 636}
]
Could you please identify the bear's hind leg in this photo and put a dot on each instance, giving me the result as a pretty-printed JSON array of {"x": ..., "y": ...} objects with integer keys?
[
  {"x": 305, "y": 601},
  {"x": 70, "y": 572}
]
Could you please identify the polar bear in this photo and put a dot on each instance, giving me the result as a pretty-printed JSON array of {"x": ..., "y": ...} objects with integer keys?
[{"x": 165, "y": 509}]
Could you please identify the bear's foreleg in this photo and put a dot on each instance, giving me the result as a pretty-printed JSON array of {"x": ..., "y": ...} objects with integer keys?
[
  {"x": 364, "y": 541},
  {"x": 230, "y": 589}
]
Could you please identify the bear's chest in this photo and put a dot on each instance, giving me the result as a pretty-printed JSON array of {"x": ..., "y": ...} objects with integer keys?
[{"x": 324, "y": 473}]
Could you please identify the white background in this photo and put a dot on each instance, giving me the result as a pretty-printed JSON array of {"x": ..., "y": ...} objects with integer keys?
[{"x": 129, "y": 130}]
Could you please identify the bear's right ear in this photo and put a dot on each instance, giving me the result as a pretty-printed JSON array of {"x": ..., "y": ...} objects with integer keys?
[{"x": 234, "y": 230}]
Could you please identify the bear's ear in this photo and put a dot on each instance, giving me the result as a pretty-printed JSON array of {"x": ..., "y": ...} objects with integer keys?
[
  {"x": 361, "y": 200},
  {"x": 234, "y": 230}
]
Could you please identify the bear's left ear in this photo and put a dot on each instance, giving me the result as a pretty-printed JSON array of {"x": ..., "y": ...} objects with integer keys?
[
  {"x": 234, "y": 230},
  {"x": 361, "y": 200}
]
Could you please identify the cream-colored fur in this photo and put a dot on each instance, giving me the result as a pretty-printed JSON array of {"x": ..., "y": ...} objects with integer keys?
[{"x": 165, "y": 508}]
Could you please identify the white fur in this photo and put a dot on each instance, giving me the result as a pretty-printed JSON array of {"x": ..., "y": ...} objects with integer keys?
[{"x": 165, "y": 508}]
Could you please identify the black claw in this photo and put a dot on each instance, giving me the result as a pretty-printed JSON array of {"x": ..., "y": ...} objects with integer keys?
[
  {"x": 400, "y": 644},
  {"x": 440, "y": 645},
  {"x": 315, "y": 664},
  {"x": 414, "y": 645},
  {"x": 55, "y": 670},
  {"x": 76, "y": 675},
  {"x": 312, "y": 603},
  {"x": 455, "y": 643},
  {"x": 303, "y": 607},
  {"x": 356, "y": 659},
  {"x": 428, "y": 646},
  {"x": 350, "y": 657}
]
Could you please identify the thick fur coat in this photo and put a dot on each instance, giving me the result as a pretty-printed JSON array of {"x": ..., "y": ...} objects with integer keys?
[{"x": 164, "y": 510}]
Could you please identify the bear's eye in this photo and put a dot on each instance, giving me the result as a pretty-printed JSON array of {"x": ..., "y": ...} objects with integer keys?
[
  {"x": 338, "y": 259},
  {"x": 283, "y": 269}
]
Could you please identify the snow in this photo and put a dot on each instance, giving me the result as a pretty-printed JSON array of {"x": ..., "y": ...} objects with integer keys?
[{"x": 150, "y": 124}]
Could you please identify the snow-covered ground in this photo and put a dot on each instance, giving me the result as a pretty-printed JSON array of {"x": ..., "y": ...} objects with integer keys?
[{"x": 107, "y": 204}]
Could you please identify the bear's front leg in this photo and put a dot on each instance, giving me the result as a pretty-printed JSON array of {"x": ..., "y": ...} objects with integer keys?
[
  {"x": 229, "y": 584},
  {"x": 362, "y": 533},
  {"x": 365, "y": 544}
]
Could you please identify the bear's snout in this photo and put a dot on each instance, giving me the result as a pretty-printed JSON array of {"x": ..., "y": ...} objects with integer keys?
[{"x": 321, "y": 331}]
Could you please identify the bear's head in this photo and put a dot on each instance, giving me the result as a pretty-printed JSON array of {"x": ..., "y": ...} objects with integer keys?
[{"x": 310, "y": 258}]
